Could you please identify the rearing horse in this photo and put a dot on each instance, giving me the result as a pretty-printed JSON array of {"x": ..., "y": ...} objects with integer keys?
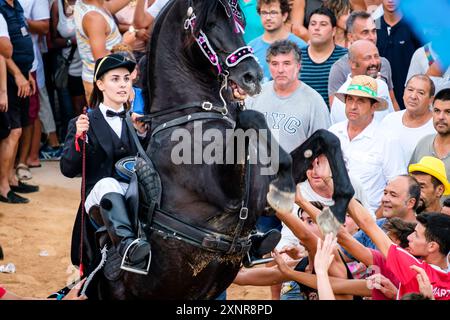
[{"x": 199, "y": 225}]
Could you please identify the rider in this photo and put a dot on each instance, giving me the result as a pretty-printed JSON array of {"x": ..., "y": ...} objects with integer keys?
[{"x": 107, "y": 141}]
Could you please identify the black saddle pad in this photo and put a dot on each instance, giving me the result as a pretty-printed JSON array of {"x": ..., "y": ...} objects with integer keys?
[{"x": 112, "y": 269}]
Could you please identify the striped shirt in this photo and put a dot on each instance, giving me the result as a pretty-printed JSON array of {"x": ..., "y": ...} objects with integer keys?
[
  {"x": 316, "y": 74},
  {"x": 84, "y": 48}
]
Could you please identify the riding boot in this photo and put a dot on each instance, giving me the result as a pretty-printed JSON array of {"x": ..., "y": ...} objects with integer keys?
[
  {"x": 115, "y": 216},
  {"x": 262, "y": 243}
]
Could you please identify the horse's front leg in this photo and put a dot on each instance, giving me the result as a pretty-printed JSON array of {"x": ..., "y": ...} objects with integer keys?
[
  {"x": 324, "y": 142},
  {"x": 282, "y": 189}
]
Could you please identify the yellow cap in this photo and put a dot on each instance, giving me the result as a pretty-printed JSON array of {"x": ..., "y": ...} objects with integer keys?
[{"x": 434, "y": 167}]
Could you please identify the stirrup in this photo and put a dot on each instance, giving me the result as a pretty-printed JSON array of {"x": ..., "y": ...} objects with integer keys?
[
  {"x": 251, "y": 261},
  {"x": 127, "y": 266}
]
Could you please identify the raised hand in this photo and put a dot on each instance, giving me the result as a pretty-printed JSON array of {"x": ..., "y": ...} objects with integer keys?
[
  {"x": 425, "y": 286},
  {"x": 324, "y": 256}
]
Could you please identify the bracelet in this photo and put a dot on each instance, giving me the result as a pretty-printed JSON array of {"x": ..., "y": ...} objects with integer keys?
[{"x": 68, "y": 43}]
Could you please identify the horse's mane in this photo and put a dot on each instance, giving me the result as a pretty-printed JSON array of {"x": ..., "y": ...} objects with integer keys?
[{"x": 203, "y": 10}]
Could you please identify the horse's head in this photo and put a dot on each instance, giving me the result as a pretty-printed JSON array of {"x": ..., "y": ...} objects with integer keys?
[
  {"x": 203, "y": 50},
  {"x": 217, "y": 27}
]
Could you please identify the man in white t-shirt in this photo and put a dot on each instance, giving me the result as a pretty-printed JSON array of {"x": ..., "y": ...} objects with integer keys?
[
  {"x": 370, "y": 155},
  {"x": 37, "y": 13},
  {"x": 364, "y": 59},
  {"x": 416, "y": 121}
]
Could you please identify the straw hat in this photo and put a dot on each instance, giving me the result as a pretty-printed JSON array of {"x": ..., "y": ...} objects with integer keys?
[
  {"x": 366, "y": 87},
  {"x": 434, "y": 167}
]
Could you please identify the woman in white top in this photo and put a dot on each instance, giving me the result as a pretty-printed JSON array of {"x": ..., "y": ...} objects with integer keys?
[
  {"x": 63, "y": 37},
  {"x": 97, "y": 33}
]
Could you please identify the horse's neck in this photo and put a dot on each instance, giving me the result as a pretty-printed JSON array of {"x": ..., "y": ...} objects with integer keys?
[
  {"x": 174, "y": 80},
  {"x": 178, "y": 87}
]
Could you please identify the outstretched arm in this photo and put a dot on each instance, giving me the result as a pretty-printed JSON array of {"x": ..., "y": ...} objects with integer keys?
[
  {"x": 364, "y": 220},
  {"x": 298, "y": 228},
  {"x": 340, "y": 286},
  {"x": 266, "y": 276},
  {"x": 354, "y": 247}
]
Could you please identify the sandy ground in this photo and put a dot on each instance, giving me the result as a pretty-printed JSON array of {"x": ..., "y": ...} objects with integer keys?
[{"x": 36, "y": 238}]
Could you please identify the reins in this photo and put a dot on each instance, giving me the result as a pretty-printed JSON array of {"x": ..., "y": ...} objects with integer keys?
[{"x": 83, "y": 190}]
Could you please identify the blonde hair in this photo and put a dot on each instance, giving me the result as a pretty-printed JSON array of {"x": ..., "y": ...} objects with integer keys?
[{"x": 124, "y": 50}]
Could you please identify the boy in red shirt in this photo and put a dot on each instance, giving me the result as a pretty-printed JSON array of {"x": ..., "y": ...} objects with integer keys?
[{"x": 430, "y": 240}]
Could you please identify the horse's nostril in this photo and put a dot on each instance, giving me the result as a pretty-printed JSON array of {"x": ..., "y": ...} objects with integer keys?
[{"x": 249, "y": 77}]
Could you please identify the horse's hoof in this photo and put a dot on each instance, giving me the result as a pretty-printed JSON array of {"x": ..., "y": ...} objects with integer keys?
[
  {"x": 327, "y": 222},
  {"x": 280, "y": 201}
]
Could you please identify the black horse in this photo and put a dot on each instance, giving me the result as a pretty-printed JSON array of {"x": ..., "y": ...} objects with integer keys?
[{"x": 199, "y": 225}]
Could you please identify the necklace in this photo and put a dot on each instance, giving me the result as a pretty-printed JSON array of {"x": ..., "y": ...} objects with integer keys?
[{"x": 132, "y": 3}]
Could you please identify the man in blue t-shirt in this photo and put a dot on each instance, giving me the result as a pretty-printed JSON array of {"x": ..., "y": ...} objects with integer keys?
[{"x": 274, "y": 14}]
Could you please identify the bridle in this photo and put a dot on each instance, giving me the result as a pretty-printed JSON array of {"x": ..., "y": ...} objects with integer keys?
[
  {"x": 232, "y": 59},
  {"x": 205, "y": 46}
]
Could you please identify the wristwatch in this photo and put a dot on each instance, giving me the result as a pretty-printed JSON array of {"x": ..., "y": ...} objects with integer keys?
[{"x": 68, "y": 43}]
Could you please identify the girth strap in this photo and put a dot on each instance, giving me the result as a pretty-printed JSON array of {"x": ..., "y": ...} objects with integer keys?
[{"x": 170, "y": 226}]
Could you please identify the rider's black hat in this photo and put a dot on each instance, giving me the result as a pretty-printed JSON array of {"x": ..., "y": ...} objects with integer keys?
[{"x": 110, "y": 62}]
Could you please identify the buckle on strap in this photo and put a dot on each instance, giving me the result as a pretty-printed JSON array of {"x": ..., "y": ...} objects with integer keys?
[
  {"x": 207, "y": 106},
  {"x": 211, "y": 242},
  {"x": 243, "y": 214}
]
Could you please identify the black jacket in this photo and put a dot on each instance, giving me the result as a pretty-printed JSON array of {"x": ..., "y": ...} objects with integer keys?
[
  {"x": 99, "y": 151},
  {"x": 99, "y": 164}
]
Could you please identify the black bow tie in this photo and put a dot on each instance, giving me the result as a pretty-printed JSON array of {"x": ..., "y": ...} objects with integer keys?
[{"x": 121, "y": 114}]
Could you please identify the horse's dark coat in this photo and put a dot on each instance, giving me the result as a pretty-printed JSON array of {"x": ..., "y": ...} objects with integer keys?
[{"x": 208, "y": 196}]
